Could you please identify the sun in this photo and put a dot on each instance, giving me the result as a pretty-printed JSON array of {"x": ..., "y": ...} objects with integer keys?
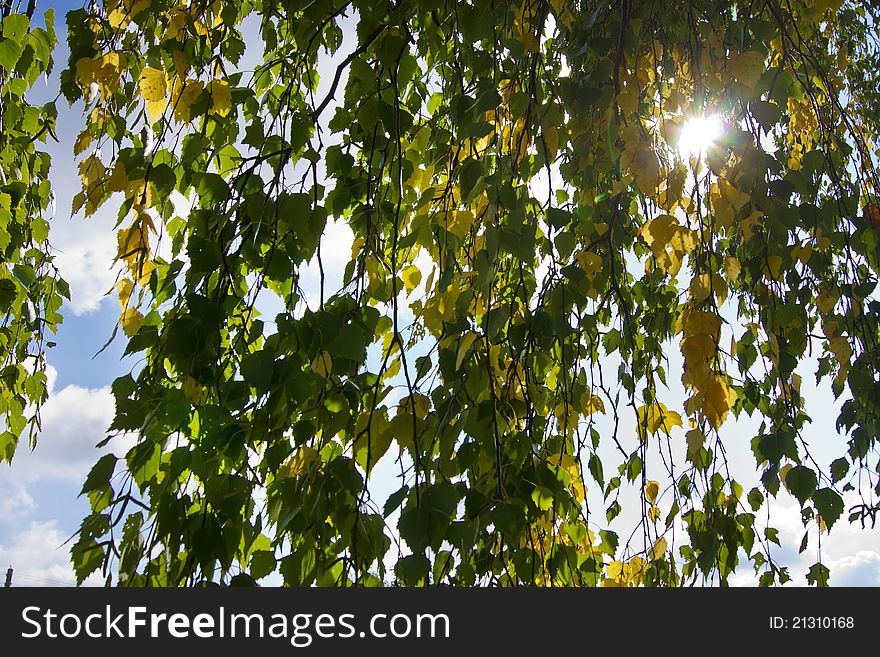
[{"x": 698, "y": 134}]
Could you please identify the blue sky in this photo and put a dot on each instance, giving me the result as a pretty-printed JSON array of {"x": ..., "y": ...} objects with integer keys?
[{"x": 39, "y": 507}]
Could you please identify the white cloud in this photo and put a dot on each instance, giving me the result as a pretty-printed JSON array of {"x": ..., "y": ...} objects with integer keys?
[
  {"x": 15, "y": 501},
  {"x": 85, "y": 263},
  {"x": 85, "y": 247},
  {"x": 851, "y": 554},
  {"x": 860, "y": 569},
  {"x": 74, "y": 420},
  {"x": 39, "y": 557}
]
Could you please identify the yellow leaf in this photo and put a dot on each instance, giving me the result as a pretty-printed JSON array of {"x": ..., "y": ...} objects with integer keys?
[
  {"x": 221, "y": 97},
  {"x": 591, "y": 404},
  {"x": 298, "y": 463},
  {"x": 176, "y": 28},
  {"x": 323, "y": 365},
  {"x": 646, "y": 169},
  {"x": 132, "y": 244},
  {"x": 826, "y": 303},
  {"x": 656, "y": 417},
  {"x": 142, "y": 271},
  {"x": 390, "y": 344},
  {"x": 719, "y": 286},
  {"x": 634, "y": 569},
  {"x": 118, "y": 180},
  {"x": 551, "y": 140},
  {"x": 783, "y": 472},
  {"x": 579, "y": 489},
  {"x": 142, "y": 196},
  {"x": 192, "y": 390},
  {"x": 719, "y": 398},
  {"x": 564, "y": 461},
  {"x": 700, "y": 287},
  {"x": 590, "y": 262},
  {"x": 401, "y": 427},
  {"x": 103, "y": 71},
  {"x": 697, "y": 349},
  {"x": 131, "y": 321},
  {"x": 652, "y": 489},
  {"x": 125, "y": 287},
  {"x": 695, "y": 440},
  {"x": 356, "y": 247},
  {"x": 747, "y": 225},
  {"x": 82, "y": 142},
  {"x": 154, "y": 91},
  {"x": 412, "y": 276},
  {"x": 772, "y": 266},
  {"x": 702, "y": 323},
  {"x": 841, "y": 348},
  {"x": 93, "y": 175},
  {"x": 659, "y": 549},
  {"x": 748, "y": 68},
  {"x": 119, "y": 14},
  {"x": 657, "y": 232},
  {"x": 654, "y": 513},
  {"x": 614, "y": 570},
  {"x": 189, "y": 94},
  {"x": 181, "y": 63},
  {"x": 732, "y": 267},
  {"x": 736, "y": 198},
  {"x": 530, "y": 41},
  {"x": 422, "y": 405},
  {"x": 802, "y": 253},
  {"x": 460, "y": 222},
  {"x": 464, "y": 346},
  {"x": 372, "y": 443}
]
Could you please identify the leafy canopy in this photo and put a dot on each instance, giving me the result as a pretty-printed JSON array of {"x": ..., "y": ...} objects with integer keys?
[
  {"x": 535, "y": 266},
  {"x": 31, "y": 291}
]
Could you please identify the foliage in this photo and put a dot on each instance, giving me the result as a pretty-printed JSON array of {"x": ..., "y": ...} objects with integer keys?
[
  {"x": 492, "y": 336},
  {"x": 31, "y": 291}
]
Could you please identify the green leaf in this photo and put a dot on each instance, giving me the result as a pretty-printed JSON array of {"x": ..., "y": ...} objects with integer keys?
[
  {"x": 829, "y": 505},
  {"x": 610, "y": 541},
  {"x": 100, "y": 474},
  {"x": 413, "y": 569},
  {"x": 87, "y": 557},
  {"x": 349, "y": 343},
  {"x": 257, "y": 368},
  {"x": 15, "y": 26},
  {"x": 10, "y": 51},
  {"x": 818, "y": 575},
  {"x": 543, "y": 498},
  {"x": 8, "y": 292},
  {"x": 468, "y": 176},
  {"x": 565, "y": 244},
  {"x": 444, "y": 563},
  {"x": 413, "y": 527},
  {"x": 839, "y": 469},
  {"x": 394, "y": 501},
  {"x": 262, "y": 564},
  {"x": 801, "y": 481},
  {"x": 508, "y": 519},
  {"x": 756, "y": 499},
  {"x": 766, "y": 113}
]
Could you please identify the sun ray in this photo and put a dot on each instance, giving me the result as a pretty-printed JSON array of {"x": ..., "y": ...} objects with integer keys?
[{"x": 698, "y": 134}]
